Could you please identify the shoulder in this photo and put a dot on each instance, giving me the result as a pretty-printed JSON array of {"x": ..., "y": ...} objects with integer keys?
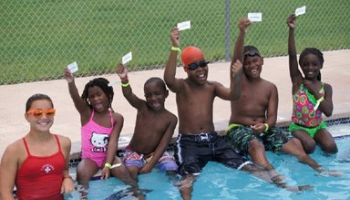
[
  {"x": 172, "y": 116},
  {"x": 326, "y": 86},
  {"x": 268, "y": 88},
  {"x": 169, "y": 116},
  {"x": 14, "y": 149},
  {"x": 117, "y": 117},
  {"x": 63, "y": 139},
  {"x": 215, "y": 85},
  {"x": 268, "y": 84}
]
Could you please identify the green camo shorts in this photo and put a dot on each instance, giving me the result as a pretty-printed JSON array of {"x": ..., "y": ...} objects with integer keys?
[{"x": 274, "y": 139}]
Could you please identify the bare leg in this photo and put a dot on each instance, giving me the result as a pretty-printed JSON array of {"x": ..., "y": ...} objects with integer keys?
[
  {"x": 134, "y": 172},
  {"x": 326, "y": 141},
  {"x": 257, "y": 153},
  {"x": 172, "y": 175},
  {"x": 86, "y": 169},
  {"x": 295, "y": 148},
  {"x": 264, "y": 175},
  {"x": 308, "y": 143},
  {"x": 123, "y": 174},
  {"x": 186, "y": 186}
]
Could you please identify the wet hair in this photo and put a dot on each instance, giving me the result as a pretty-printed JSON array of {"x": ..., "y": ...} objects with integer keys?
[
  {"x": 315, "y": 52},
  {"x": 36, "y": 97},
  {"x": 157, "y": 80},
  {"x": 250, "y": 48},
  {"x": 101, "y": 83}
]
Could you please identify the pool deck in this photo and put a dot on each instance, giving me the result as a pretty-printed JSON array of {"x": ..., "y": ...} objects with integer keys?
[{"x": 13, "y": 125}]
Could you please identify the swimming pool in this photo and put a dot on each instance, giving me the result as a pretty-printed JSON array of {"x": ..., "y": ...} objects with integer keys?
[{"x": 218, "y": 182}]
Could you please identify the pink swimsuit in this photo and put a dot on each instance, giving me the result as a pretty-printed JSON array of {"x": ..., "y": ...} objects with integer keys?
[{"x": 94, "y": 140}]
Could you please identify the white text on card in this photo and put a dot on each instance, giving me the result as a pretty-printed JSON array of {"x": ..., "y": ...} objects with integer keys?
[
  {"x": 73, "y": 67},
  {"x": 255, "y": 17},
  {"x": 184, "y": 25},
  {"x": 300, "y": 11},
  {"x": 127, "y": 58}
]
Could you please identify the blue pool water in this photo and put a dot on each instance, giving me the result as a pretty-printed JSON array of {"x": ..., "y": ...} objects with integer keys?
[{"x": 218, "y": 182}]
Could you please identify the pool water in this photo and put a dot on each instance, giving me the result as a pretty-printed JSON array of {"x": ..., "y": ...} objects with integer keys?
[{"x": 219, "y": 182}]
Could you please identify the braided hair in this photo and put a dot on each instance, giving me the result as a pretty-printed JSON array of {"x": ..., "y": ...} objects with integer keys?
[{"x": 101, "y": 83}]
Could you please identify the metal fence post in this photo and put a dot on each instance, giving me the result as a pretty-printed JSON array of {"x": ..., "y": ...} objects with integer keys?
[{"x": 227, "y": 30}]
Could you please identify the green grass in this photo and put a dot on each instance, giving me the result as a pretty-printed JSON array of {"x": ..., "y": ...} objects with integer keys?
[{"x": 38, "y": 38}]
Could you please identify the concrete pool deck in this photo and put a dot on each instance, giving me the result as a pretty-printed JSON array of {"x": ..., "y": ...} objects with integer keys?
[{"x": 13, "y": 125}]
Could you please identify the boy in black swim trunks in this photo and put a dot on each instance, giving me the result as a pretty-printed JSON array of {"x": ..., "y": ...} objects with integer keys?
[
  {"x": 197, "y": 142},
  {"x": 252, "y": 124}
]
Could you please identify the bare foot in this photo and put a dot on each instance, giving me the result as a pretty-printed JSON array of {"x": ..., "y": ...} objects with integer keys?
[
  {"x": 278, "y": 179},
  {"x": 295, "y": 188},
  {"x": 331, "y": 173}
]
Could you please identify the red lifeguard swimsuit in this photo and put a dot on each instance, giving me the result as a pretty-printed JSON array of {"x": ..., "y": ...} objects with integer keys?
[{"x": 40, "y": 178}]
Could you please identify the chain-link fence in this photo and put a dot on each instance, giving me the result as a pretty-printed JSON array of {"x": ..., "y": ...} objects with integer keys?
[{"x": 40, "y": 37}]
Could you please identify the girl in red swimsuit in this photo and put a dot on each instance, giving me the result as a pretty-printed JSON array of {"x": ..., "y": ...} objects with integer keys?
[{"x": 37, "y": 164}]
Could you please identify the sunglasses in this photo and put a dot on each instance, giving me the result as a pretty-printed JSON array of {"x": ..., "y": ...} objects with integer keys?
[
  {"x": 194, "y": 66},
  {"x": 39, "y": 113},
  {"x": 251, "y": 53}
]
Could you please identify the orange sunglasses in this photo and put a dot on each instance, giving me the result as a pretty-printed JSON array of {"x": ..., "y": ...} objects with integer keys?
[{"x": 39, "y": 113}]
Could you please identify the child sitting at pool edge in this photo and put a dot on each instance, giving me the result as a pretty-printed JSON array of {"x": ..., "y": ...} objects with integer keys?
[
  {"x": 252, "y": 130},
  {"x": 198, "y": 142},
  {"x": 154, "y": 128},
  {"x": 311, "y": 97},
  {"x": 100, "y": 131}
]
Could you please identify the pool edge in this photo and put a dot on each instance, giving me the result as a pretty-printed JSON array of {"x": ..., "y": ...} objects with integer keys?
[{"x": 335, "y": 119}]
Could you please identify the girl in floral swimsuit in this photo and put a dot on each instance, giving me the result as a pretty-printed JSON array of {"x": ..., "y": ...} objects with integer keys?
[{"x": 311, "y": 97}]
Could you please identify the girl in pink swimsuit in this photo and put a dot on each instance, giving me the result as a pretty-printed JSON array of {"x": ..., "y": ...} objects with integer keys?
[{"x": 100, "y": 131}]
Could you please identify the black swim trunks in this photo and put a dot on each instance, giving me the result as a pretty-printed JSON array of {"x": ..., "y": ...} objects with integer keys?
[{"x": 194, "y": 151}]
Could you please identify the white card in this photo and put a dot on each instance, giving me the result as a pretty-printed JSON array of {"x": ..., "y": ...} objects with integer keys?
[
  {"x": 300, "y": 11},
  {"x": 113, "y": 83},
  {"x": 184, "y": 25},
  {"x": 255, "y": 17},
  {"x": 73, "y": 67},
  {"x": 127, "y": 58}
]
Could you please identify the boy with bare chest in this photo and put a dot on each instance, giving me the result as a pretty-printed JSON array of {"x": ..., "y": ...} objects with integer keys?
[
  {"x": 197, "y": 142},
  {"x": 153, "y": 129},
  {"x": 252, "y": 127}
]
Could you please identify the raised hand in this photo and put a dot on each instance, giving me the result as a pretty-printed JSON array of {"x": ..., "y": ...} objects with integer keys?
[
  {"x": 291, "y": 21},
  {"x": 122, "y": 71},
  {"x": 175, "y": 37},
  {"x": 243, "y": 24},
  {"x": 236, "y": 68},
  {"x": 68, "y": 75}
]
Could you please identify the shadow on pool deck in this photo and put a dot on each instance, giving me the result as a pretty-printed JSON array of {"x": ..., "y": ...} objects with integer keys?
[{"x": 14, "y": 126}]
